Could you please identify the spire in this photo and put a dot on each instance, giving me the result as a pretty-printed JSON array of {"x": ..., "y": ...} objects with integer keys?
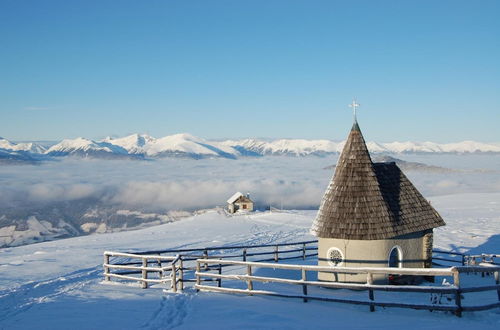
[{"x": 370, "y": 201}]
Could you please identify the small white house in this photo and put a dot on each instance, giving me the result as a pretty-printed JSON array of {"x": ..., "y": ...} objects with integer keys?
[{"x": 239, "y": 203}]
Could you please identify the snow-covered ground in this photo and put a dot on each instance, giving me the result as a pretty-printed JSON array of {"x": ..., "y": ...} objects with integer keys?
[{"x": 58, "y": 285}]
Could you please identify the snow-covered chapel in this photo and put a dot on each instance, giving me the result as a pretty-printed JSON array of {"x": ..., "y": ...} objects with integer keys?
[{"x": 371, "y": 215}]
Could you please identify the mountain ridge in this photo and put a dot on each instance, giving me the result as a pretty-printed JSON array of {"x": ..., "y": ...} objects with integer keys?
[{"x": 189, "y": 146}]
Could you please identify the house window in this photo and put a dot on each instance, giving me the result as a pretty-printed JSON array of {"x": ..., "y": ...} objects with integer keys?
[
  {"x": 244, "y": 206},
  {"x": 334, "y": 256},
  {"x": 395, "y": 257}
]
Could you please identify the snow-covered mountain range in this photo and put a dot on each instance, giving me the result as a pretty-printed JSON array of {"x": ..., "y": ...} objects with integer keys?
[{"x": 189, "y": 146}]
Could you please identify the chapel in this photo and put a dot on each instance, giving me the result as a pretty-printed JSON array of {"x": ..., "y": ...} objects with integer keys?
[{"x": 371, "y": 215}]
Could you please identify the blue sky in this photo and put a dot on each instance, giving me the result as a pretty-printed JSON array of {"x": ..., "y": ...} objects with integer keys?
[{"x": 422, "y": 70}]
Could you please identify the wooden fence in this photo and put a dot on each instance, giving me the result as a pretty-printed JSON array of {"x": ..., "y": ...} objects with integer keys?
[
  {"x": 455, "y": 289},
  {"x": 442, "y": 258},
  {"x": 483, "y": 259},
  {"x": 172, "y": 273},
  {"x": 206, "y": 265}
]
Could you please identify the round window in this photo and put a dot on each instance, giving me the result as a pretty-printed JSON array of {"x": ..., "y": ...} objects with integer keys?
[{"x": 334, "y": 256}]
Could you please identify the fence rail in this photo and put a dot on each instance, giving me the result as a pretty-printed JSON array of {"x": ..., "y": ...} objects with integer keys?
[
  {"x": 205, "y": 266},
  {"x": 483, "y": 259},
  {"x": 455, "y": 289},
  {"x": 174, "y": 269}
]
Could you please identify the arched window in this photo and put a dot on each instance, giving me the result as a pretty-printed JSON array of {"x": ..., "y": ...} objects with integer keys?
[
  {"x": 334, "y": 256},
  {"x": 396, "y": 257}
]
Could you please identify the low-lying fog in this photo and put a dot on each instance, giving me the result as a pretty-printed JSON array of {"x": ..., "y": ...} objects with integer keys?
[{"x": 76, "y": 190}]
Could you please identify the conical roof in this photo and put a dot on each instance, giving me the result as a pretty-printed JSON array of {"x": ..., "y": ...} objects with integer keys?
[{"x": 367, "y": 201}]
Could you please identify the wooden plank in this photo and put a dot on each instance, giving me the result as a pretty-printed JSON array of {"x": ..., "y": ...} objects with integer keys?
[
  {"x": 138, "y": 279},
  {"x": 336, "y": 285},
  {"x": 480, "y": 308},
  {"x": 448, "y": 252},
  {"x": 151, "y": 269},
  {"x": 339, "y": 300},
  {"x": 235, "y": 247},
  {"x": 353, "y": 270},
  {"x": 140, "y": 256},
  {"x": 481, "y": 288},
  {"x": 476, "y": 269}
]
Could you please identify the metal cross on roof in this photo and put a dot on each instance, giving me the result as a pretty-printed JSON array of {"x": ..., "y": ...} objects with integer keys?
[{"x": 354, "y": 105}]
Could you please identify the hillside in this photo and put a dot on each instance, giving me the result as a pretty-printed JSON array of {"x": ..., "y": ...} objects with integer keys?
[{"x": 53, "y": 284}]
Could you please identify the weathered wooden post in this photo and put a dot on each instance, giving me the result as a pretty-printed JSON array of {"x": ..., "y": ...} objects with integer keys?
[
  {"x": 106, "y": 268},
  {"x": 181, "y": 273},
  {"x": 205, "y": 255},
  {"x": 174, "y": 278},
  {"x": 304, "y": 251},
  {"x": 197, "y": 274},
  {"x": 158, "y": 261},
  {"x": 249, "y": 281},
  {"x": 219, "y": 280},
  {"x": 304, "y": 286},
  {"x": 369, "y": 281},
  {"x": 244, "y": 254},
  {"x": 276, "y": 254},
  {"x": 483, "y": 259},
  {"x": 144, "y": 273},
  {"x": 497, "y": 282},
  {"x": 458, "y": 297}
]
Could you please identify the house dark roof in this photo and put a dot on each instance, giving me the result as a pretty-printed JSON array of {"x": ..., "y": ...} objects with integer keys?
[{"x": 369, "y": 201}]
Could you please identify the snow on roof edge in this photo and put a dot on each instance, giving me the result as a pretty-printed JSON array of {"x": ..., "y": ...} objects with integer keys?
[{"x": 233, "y": 198}]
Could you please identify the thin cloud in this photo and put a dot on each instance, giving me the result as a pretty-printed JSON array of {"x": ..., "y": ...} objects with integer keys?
[{"x": 35, "y": 108}]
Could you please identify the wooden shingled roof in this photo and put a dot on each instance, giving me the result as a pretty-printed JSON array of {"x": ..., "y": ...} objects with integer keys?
[{"x": 369, "y": 201}]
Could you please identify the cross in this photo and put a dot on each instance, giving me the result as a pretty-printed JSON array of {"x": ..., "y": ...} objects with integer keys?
[{"x": 354, "y": 105}]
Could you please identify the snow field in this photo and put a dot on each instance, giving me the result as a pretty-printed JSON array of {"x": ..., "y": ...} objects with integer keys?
[{"x": 55, "y": 284}]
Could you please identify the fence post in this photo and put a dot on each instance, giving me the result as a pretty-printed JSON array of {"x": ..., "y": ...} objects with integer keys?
[
  {"x": 174, "y": 278},
  {"x": 483, "y": 259},
  {"x": 497, "y": 282},
  {"x": 276, "y": 254},
  {"x": 304, "y": 286},
  {"x": 158, "y": 261},
  {"x": 197, "y": 274},
  {"x": 244, "y": 254},
  {"x": 181, "y": 273},
  {"x": 463, "y": 260},
  {"x": 304, "y": 251},
  {"x": 205, "y": 255},
  {"x": 144, "y": 273},
  {"x": 106, "y": 268},
  {"x": 458, "y": 297},
  {"x": 369, "y": 281},
  {"x": 219, "y": 280},
  {"x": 249, "y": 281}
]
